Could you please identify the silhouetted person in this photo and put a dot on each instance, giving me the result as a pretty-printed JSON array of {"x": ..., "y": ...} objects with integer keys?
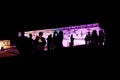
[
  {"x": 22, "y": 45},
  {"x": 94, "y": 38},
  {"x": 30, "y": 43},
  {"x": 55, "y": 39},
  {"x": 40, "y": 42},
  {"x": 101, "y": 37},
  {"x": 60, "y": 39},
  {"x": 88, "y": 39},
  {"x": 49, "y": 42},
  {"x": 71, "y": 41},
  {"x": 2, "y": 49}
]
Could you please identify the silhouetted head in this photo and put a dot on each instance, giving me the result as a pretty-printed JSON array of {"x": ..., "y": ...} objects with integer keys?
[
  {"x": 61, "y": 32},
  {"x": 2, "y": 48},
  {"x": 40, "y": 34},
  {"x": 50, "y": 35},
  {"x": 94, "y": 32},
  {"x": 71, "y": 36},
  {"x": 22, "y": 33},
  {"x": 88, "y": 33},
  {"x": 55, "y": 33},
  {"x": 30, "y": 35}
]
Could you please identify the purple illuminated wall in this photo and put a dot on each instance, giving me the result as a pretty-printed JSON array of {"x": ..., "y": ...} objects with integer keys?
[{"x": 79, "y": 32}]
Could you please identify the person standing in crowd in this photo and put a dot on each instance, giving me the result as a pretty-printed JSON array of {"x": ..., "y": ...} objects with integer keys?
[
  {"x": 40, "y": 42},
  {"x": 60, "y": 39},
  {"x": 22, "y": 44},
  {"x": 88, "y": 39},
  {"x": 30, "y": 42},
  {"x": 49, "y": 42},
  {"x": 71, "y": 41},
  {"x": 94, "y": 38},
  {"x": 55, "y": 39},
  {"x": 101, "y": 37}
]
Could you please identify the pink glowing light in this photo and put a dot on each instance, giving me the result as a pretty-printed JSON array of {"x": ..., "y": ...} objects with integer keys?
[{"x": 79, "y": 32}]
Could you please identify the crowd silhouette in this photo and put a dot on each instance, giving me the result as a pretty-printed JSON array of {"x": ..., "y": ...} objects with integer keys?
[
  {"x": 27, "y": 46},
  {"x": 95, "y": 39}
]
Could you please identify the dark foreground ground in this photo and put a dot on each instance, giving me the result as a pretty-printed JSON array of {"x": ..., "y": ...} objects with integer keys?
[{"x": 78, "y": 63}]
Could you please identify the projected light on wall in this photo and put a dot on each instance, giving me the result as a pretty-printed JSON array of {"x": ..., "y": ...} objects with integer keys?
[
  {"x": 79, "y": 32},
  {"x": 5, "y": 44}
]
